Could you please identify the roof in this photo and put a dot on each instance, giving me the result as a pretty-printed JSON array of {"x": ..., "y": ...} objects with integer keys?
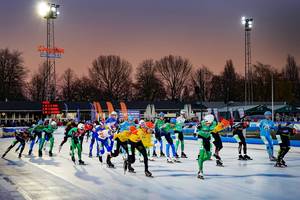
[
  {"x": 167, "y": 105},
  {"x": 21, "y": 106}
]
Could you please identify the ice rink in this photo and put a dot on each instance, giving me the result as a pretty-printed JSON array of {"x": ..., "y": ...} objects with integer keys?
[{"x": 58, "y": 178}]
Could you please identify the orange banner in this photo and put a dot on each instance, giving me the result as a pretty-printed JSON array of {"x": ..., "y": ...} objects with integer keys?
[
  {"x": 99, "y": 109},
  {"x": 124, "y": 110},
  {"x": 110, "y": 107},
  {"x": 96, "y": 109}
]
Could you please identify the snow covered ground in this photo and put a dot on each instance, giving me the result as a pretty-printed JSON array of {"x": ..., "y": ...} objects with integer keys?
[{"x": 59, "y": 178}]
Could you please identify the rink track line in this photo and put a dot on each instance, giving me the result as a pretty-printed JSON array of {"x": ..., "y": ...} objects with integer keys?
[{"x": 50, "y": 172}]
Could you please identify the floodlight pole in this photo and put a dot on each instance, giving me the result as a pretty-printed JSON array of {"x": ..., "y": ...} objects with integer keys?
[
  {"x": 50, "y": 76},
  {"x": 248, "y": 66},
  {"x": 272, "y": 94}
]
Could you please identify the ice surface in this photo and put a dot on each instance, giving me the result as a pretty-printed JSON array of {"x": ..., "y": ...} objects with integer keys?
[{"x": 256, "y": 179}]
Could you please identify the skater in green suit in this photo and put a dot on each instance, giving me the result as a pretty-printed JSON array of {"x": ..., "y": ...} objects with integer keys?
[
  {"x": 179, "y": 133},
  {"x": 203, "y": 131},
  {"x": 48, "y": 136},
  {"x": 75, "y": 134}
]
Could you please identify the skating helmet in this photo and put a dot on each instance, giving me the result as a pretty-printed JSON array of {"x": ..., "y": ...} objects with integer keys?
[
  {"x": 130, "y": 118},
  {"x": 142, "y": 123},
  {"x": 267, "y": 113},
  {"x": 53, "y": 124},
  {"x": 101, "y": 124},
  {"x": 113, "y": 113},
  {"x": 182, "y": 112},
  {"x": 133, "y": 130},
  {"x": 173, "y": 120},
  {"x": 150, "y": 125},
  {"x": 88, "y": 127},
  {"x": 40, "y": 122},
  {"x": 209, "y": 118},
  {"x": 80, "y": 126},
  {"x": 161, "y": 114}
]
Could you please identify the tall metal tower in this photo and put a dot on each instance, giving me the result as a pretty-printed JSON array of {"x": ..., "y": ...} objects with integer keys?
[
  {"x": 248, "y": 23},
  {"x": 50, "y": 12}
]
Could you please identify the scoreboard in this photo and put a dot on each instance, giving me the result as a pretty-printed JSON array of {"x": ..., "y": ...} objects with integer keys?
[{"x": 49, "y": 108}]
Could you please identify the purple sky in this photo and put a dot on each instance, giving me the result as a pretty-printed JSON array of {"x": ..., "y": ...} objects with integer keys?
[{"x": 205, "y": 31}]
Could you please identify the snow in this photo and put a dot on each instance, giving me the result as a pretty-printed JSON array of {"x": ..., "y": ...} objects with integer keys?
[{"x": 256, "y": 179}]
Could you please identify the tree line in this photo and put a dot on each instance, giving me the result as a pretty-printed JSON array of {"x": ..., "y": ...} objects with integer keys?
[{"x": 171, "y": 77}]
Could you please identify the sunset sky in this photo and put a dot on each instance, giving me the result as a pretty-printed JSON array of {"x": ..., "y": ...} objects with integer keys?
[{"x": 208, "y": 32}]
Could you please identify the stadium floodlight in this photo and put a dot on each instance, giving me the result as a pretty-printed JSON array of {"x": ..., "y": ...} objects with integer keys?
[
  {"x": 243, "y": 20},
  {"x": 43, "y": 8},
  {"x": 47, "y": 10},
  {"x": 247, "y": 22}
]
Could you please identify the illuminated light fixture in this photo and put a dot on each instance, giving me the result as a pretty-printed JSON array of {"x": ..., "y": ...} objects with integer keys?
[
  {"x": 247, "y": 22},
  {"x": 43, "y": 8},
  {"x": 47, "y": 10}
]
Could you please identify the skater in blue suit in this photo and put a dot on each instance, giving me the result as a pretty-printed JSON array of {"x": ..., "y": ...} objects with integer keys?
[
  {"x": 94, "y": 138},
  {"x": 265, "y": 126},
  {"x": 125, "y": 125}
]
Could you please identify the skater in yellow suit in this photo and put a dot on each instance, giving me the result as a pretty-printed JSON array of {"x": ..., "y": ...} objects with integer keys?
[{"x": 138, "y": 139}]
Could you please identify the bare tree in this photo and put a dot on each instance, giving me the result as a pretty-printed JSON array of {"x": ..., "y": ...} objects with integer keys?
[
  {"x": 216, "y": 93},
  {"x": 68, "y": 78},
  {"x": 111, "y": 75},
  {"x": 36, "y": 88},
  {"x": 12, "y": 75},
  {"x": 291, "y": 70},
  {"x": 148, "y": 86},
  {"x": 174, "y": 71},
  {"x": 232, "y": 90},
  {"x": 262, "y": 77},
  {"x": 83, "y": 89},
  {"x": 201, "y": 80},
  {"x": 292, "y": 75}
]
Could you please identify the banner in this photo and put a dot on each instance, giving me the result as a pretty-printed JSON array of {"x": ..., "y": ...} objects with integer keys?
[
  {"x": 216, "y": 113},
  {"x": 133, "y": 113},
  {"x": 110, "y": 107},
  {"x": 241, "y": 112},
  {"x": 99, "y": 111},
  {"x": 124, "y": 110}
]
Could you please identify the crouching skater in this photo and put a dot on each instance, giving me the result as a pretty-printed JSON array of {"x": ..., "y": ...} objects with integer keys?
[
  {"x": 135, "y": 143},
  {"x": 239, "y": 135},
  {"x": 203, "y": 131},
  {"x": 283, "y": 137},
  {"x": 21, "y": 137},
  {"x": 104, "y": 140},
  {"x": 75, "y": 134}
]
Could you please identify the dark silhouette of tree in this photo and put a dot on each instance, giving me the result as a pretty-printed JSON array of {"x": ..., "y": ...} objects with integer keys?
[
  {"x": 201, "y": 82},
  {"x": 232, "y": 88},
  {"x": 174, "y": 72},
  {"x": 83, "y": 89},
  {"x": 12, "y": 75},
  {"x": 148, "y": 86},
  {"x": 291, "y": 74},
  {"x": 262, "y": 77},
  {"x": 112, "y": 76},
  {"x": 68, "y": 78},
  {"x": 36, "y": 90},
  {"x": 216, "y": 93},
  {"x": 282, "y": 88}
]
